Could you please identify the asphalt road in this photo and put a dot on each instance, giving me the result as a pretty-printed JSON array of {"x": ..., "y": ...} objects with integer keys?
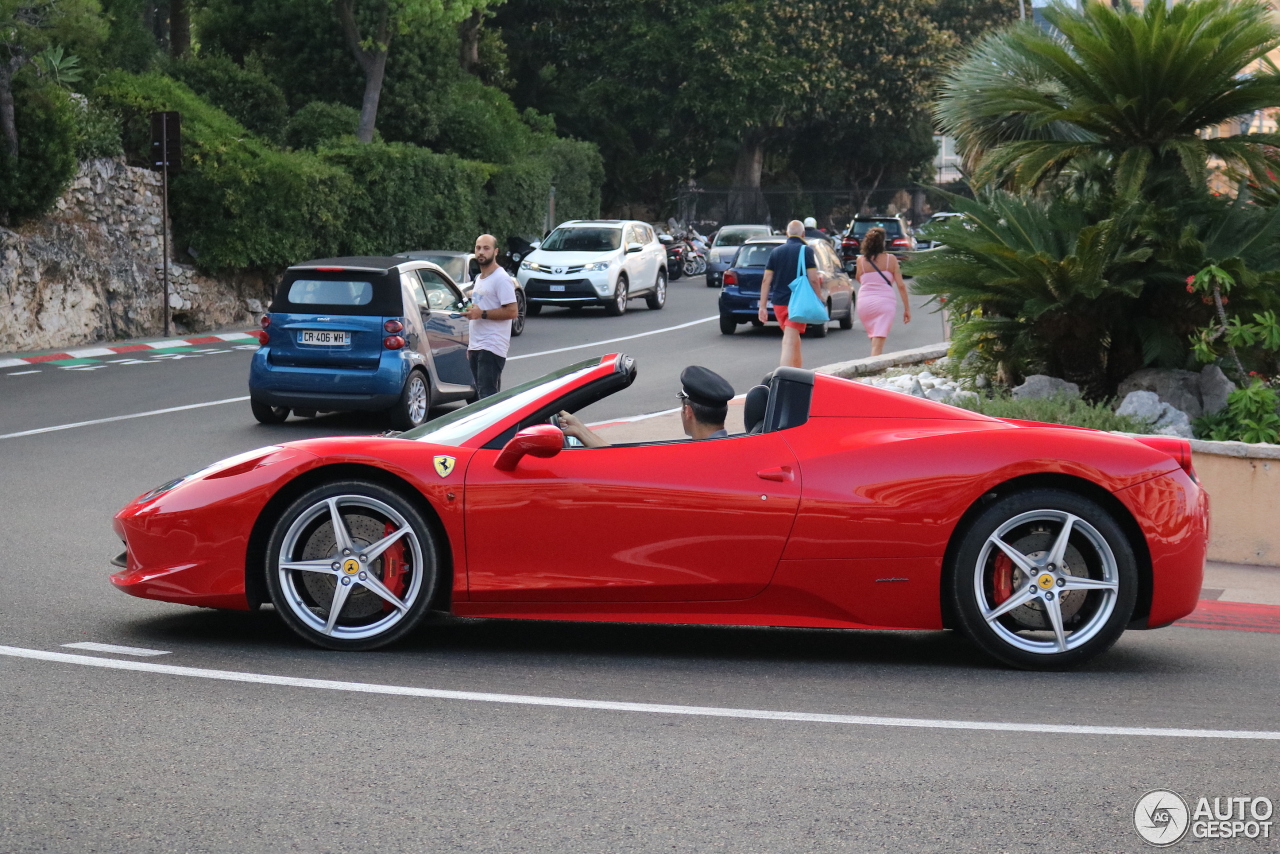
[{"x": 98, "y": 759}]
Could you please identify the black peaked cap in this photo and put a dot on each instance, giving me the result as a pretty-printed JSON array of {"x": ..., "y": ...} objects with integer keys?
[{"x": 705, "y": 386}]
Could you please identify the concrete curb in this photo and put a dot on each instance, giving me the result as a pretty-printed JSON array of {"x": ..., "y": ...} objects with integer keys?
[
  {"x": 1260, "y": 451},
  {"x": 115, "y": 350},
  {"x": 876, "y": 364}
]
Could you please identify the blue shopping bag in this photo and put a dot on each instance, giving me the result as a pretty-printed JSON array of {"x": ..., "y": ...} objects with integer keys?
[{"x": 804, "y": 305}]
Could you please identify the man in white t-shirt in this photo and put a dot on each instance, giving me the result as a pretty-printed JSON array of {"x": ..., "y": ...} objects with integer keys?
[{"x": 493, "y": 307}]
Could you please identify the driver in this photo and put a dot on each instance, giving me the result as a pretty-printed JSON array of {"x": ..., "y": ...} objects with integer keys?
[{"x": 704, "y": 404}]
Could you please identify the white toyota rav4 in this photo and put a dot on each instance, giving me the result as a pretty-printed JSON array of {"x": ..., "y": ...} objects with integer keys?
[{"x": 596, "y": 262}]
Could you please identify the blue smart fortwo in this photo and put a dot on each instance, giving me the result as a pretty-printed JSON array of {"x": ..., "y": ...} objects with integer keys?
[{"x": 372, "y": 334}]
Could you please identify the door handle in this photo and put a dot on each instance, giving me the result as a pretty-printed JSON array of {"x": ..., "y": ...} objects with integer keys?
[{"x": 782, "y": 474}]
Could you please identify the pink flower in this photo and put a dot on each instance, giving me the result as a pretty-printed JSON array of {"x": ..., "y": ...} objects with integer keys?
[
  {"x": 1190, "y": 279},
  {"x": 1191, "y": 289}
]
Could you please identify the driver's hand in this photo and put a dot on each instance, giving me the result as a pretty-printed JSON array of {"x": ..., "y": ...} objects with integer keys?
[{"x": 571, "y": 426}]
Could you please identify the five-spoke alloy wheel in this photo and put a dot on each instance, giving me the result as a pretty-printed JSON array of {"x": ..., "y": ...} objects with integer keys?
[
  {"x": 1044, "y": 580},
  {"x": 351, "y": 566}
]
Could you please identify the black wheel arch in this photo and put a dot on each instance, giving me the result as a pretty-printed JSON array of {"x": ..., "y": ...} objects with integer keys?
[
  {"x": 1067, "y": 483},
  {"x": 255, "y": 580}
]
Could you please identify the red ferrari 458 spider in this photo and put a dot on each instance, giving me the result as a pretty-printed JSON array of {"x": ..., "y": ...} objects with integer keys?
[{"x": 841, "y": 506}]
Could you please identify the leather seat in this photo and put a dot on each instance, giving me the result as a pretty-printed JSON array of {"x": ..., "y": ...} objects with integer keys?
[{"x": 754, "y": 408}]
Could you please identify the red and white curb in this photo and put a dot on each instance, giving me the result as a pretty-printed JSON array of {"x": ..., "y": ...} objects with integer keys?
[{"x": 100, "y": 352}]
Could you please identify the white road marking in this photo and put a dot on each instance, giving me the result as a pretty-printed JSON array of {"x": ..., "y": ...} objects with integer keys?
[
  {"x": 90, "y": 353},
  {"x": 81, "y": 367},
  {"x": 122, "y": 417},
  {"x": 134, "y": 362},
  {"x": 13, "y": 363},
  {"x": 140, "y": 651},
  {"x": 21, "y": 373},
  {"x": 233, "y": 336},
  {"x": 617, "y": 706},
  {"x": 614, "y": 340}
]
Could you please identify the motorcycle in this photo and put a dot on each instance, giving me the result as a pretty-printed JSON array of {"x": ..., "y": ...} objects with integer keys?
[{"x": 676, "y": 251}]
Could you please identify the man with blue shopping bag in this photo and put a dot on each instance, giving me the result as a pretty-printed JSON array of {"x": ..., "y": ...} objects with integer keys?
[{"x": 790, "y": 269}]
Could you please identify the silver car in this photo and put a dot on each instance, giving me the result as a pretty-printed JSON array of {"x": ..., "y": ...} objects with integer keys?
[{"x": 463, "y": 269}]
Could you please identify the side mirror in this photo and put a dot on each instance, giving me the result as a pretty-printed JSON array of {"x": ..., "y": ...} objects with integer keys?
[
  {"x": 664, "y": 238},
  {"x": 540, "y": 440},
  {"x": 634, "y": 247},
  {"x": 474, "y": 268}
]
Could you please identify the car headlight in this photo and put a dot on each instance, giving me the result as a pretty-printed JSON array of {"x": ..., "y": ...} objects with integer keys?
[
  {"x": 525, "y": 265},
  {"x": 596, "y": 267}
]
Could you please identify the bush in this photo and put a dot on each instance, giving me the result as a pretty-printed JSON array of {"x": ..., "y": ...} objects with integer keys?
[
  {"x": 320, "y": 122},
  {"x": 247, "y": 96},
  {"x": 97, "y": 132},
  {"x": 1058, "y": 409},
  {"x": 46, "y": 161},
  {"x": 1249, "y": 416},
  {"x": 239, "y": 203},
  {"x": 406, "y": 197}
]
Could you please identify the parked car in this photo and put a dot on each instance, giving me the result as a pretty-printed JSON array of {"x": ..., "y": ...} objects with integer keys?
[
  {"x": 725, "y": 245},
  {"x": 596, "y": 262},
  {"x": 840, "y": 506},
  {"x": 366, "y": 333},
  {"x": 463, "y": 269},
  {"x": 899, "y": 239},
  {"x": 740, "y": 292},
  {"x": 939, "y": 217}
]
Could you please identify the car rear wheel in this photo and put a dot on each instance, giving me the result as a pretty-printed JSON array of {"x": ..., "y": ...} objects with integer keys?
[
  {"x": 727, "y": 324},
  {"x": 618, "y": 305},
  {"x": 522, "y": 309},
  {"x": 819, "y": 330},
  {"x": 1044, "y": 580},
  {"x": 846, "y": 322},
  {"x": 414, "y": 404},
  {"x": 268, "y": 414},
  {"x": 657, "y": 298},
  {"x": 351, "y": 565}
]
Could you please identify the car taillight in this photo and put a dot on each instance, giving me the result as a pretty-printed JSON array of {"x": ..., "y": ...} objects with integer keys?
[
  {"x": 730, "y": 277},
  {"x": 264, "y": 321},
  {"x": 393, "y": 342},
  {"x": 393, "y": 326},
  {"x": 849, "y": 241},
  {"x": 1179, "y": 449},
  {"x": 263, "y": 338},
  {"x": 901, "y": 242}
]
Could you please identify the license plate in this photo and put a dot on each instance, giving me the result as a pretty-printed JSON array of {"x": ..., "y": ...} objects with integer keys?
[
  {"x": 324, "y": 337},
  {"x": 557, "y": 287}
]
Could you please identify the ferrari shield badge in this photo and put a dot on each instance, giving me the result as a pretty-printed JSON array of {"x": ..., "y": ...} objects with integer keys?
[{"x": 444, "y": 465}]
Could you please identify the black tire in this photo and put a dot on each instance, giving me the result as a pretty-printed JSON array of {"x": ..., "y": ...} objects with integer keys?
[
  {"x": 757, "y": 322},
  {"x": 522, "y": 310},
  {"x": 617, "y": 306},
  {"x": 533, "y": 309},
  {"x": 267, "y": 414},
  {"x": 304, "y": 599},
  {"x": 673, "y": 271},
  {"x": 690, "y": 267},
  {"x": 712, "y": 283},
  {"x": 414, "y": 406},
  {"x": 727, "y": 324},
  {"x": 983, "y": 581},
  {"x": 657, "y": 297},
  {"x": 846, "y": 322}
]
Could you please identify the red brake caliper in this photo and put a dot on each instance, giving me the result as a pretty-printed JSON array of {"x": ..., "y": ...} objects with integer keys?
[
  {"x": 1002, "y": 582},
  {"x": 393, "y": 568}
]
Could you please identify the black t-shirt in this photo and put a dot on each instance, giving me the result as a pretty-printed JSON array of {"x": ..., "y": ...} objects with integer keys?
[{"x": 782, "y": 261}]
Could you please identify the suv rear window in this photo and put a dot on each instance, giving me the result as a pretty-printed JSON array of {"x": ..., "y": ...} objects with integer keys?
[
  {"x": 313, "y": 292},
  {"x": 892, "y": 228}
]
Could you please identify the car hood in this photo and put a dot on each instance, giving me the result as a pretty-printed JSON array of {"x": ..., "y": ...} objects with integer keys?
[{"x": 571, "y": 259}]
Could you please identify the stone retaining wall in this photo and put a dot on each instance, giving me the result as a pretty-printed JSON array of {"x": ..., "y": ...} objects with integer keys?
[{"x": 90, "y": 270}]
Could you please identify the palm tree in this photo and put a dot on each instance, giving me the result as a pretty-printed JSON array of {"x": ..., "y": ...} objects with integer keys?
[{"x": 1132, "y": 91}]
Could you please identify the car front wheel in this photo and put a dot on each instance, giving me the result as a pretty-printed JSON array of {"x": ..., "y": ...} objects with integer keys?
[
  {"x": 351, "y": 565},
  {"x": 618, "y": 305},
  {"x": 1044, "y": 580},
  {"x": 522, "y": 310}
]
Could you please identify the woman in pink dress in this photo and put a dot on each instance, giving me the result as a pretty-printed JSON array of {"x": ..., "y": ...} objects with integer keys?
[{"x": 878, "y": 274}]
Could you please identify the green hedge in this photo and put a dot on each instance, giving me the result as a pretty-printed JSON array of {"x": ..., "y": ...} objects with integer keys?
[
  {"x": 242, "y": 203},
  {"x": 247, "y": 96},
  {"x": 46, "y": 161}
]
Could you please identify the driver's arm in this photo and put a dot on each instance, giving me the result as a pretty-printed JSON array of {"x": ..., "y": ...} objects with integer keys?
[{"x": 571, "y": 426}]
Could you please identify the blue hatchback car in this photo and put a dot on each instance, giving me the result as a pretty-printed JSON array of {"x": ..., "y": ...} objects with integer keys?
[
  {"x": 373, "y": 334},
  {"x": 740, "y": 286}
]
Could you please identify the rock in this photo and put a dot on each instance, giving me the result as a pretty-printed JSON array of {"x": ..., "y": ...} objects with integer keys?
[
  {"x": 1172, "y": 422},
  {"x": 1214, "y": 388},
  {"x": 981, "y": 381},
  {"x": 1142, "y": 405},
  {"x": 1041, "y": 385},
  {"x": 916, "y": 389},
  {"x": 939, "y": 394},
  {"x": 1179, "y": 389},
  {"x": 963, "y": 397}
]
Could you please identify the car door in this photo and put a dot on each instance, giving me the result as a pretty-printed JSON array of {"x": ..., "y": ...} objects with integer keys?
[
  {"x": 667, "y": 522},
  {"x": 446, "y": 328},
  {"x": 637, "y": 262}
]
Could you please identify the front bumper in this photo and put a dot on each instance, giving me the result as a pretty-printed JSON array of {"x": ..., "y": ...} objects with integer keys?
[{"x": 568, "y": 290}]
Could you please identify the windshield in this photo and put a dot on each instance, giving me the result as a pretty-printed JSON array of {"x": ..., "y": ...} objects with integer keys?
[
  {"x": 754, "y": 255},
  {"x": 452, "y": 264},
  {"x": 460, "y": 425},
  {"x": 739, "y": 236},
  {"x": 583, "y": 239},
  {"x": 890, "y": 226}
]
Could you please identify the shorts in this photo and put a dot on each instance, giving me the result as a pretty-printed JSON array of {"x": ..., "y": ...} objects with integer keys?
[{"x": 780, "y": 312}]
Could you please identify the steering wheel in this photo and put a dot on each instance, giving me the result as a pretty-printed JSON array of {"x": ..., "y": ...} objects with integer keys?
[{"x": 569, "y": 441}]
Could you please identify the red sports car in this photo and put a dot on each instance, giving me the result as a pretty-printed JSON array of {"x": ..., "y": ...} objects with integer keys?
[{"x": 841, "y": 506}]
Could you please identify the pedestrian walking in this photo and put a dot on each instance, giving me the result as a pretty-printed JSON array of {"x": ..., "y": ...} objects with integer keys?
[
  {"x": 878, "y": 274},
  {"x": 775, "y": 289},
  {"x": 493, "y": 307}
]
